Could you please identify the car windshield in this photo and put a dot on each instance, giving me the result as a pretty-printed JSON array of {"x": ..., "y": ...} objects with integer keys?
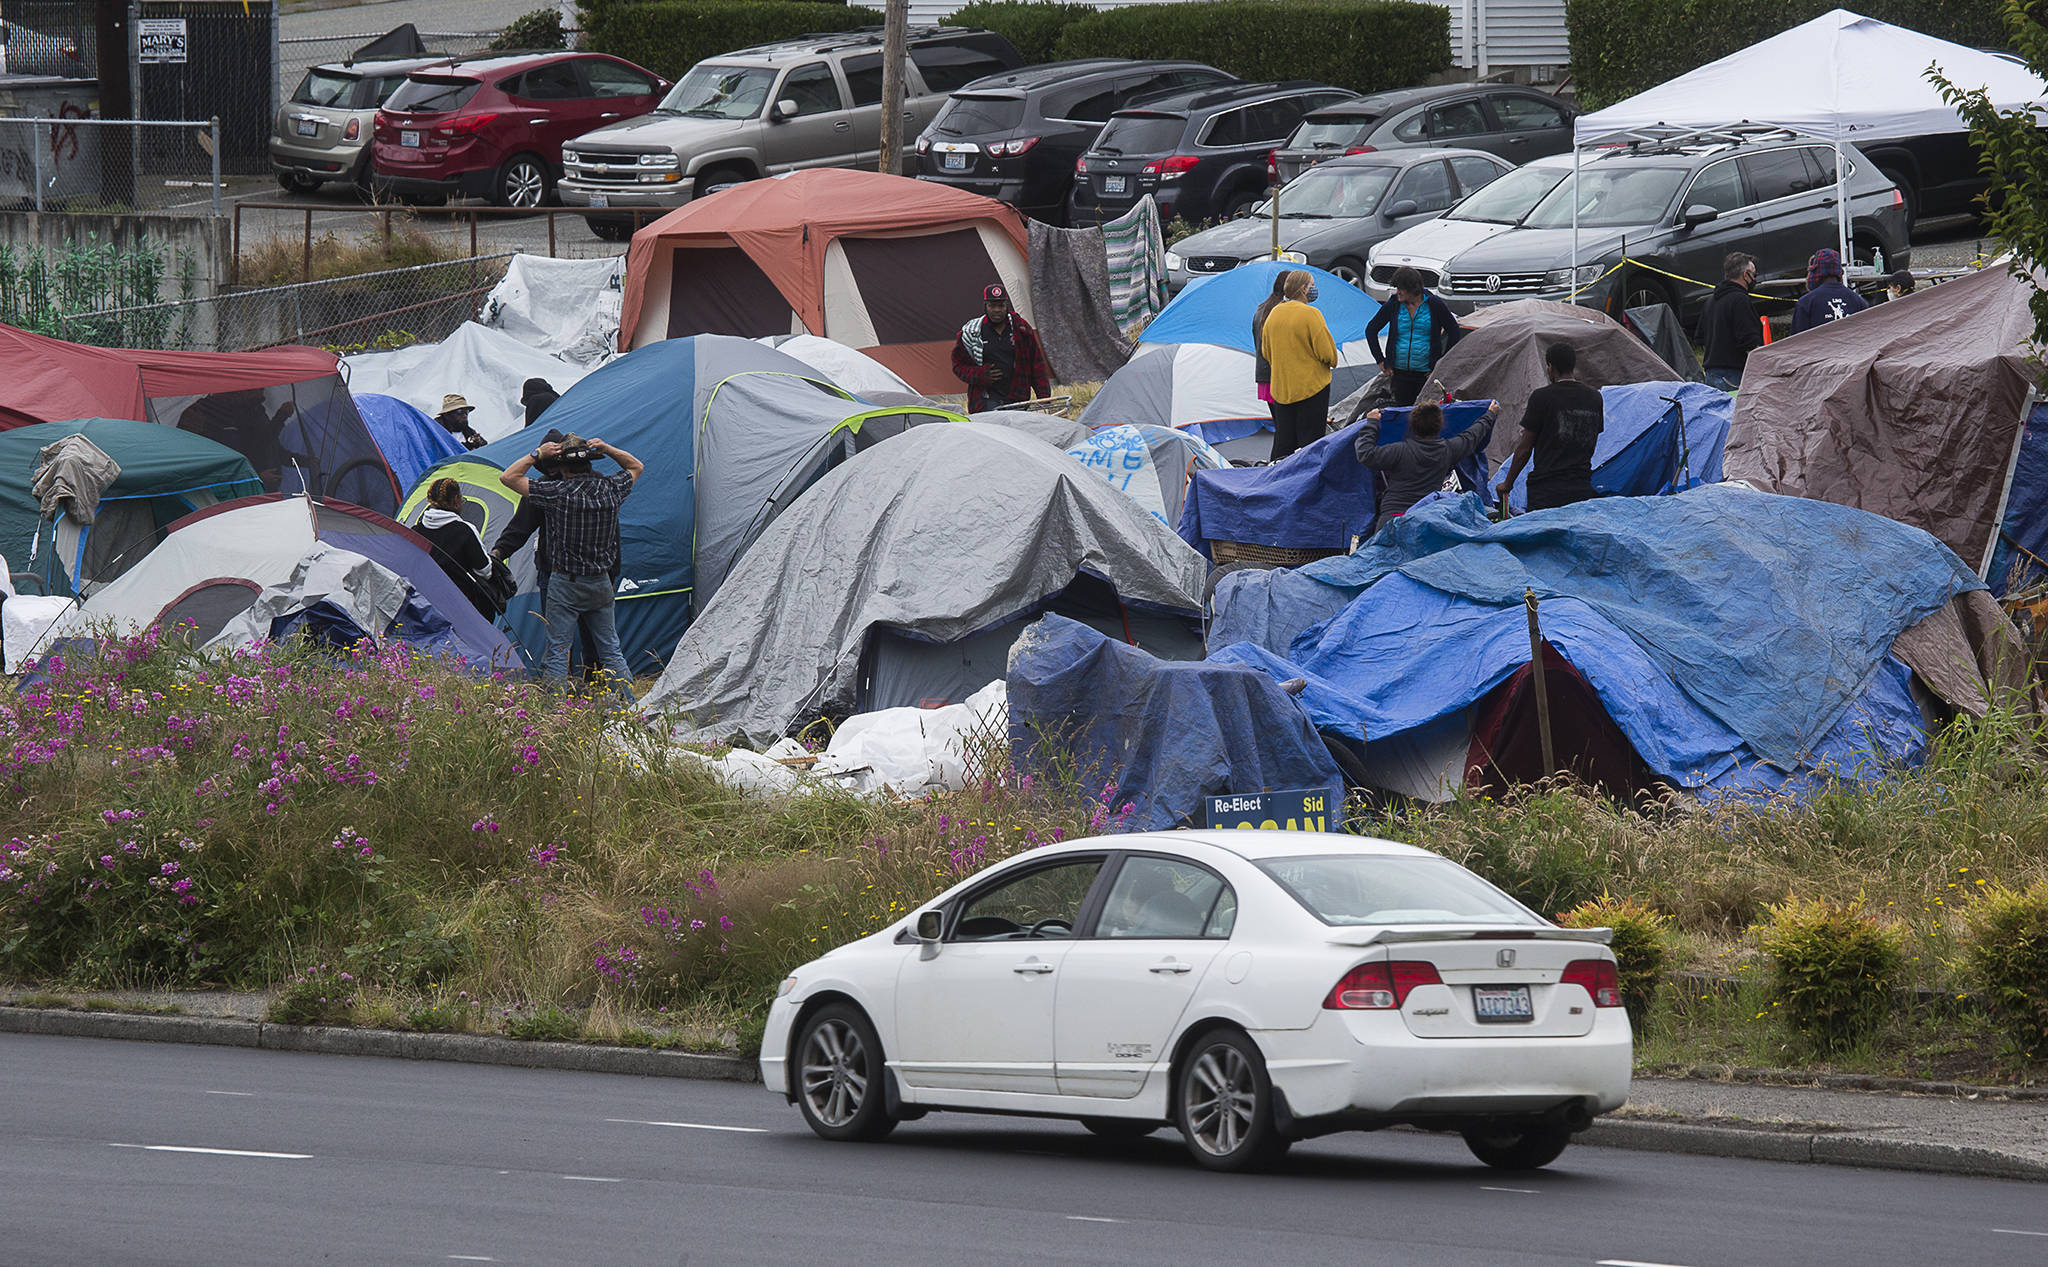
[
  {"x": 1611, "y": 198},
  {"x": 432, "y": 96},
  {"x": 1142, "y": 134},
  {"x": 1336, "y": 191},
  {"x": 976, "y": 116},
  {"x": 1507, "y": 200},
  {"x": 323, "y": 88},
  {"x": 720, "y": 92},
  {"x": 1333, "y": 133},
  {"x": 1346, "y": 890}
]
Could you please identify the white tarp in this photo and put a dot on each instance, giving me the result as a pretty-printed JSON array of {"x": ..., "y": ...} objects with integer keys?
[
  {"x": 850, "y": 368},
  {"x": 1841, "y": 76},
  {"x": 911, "y": 750},
  {"x": 486, "y": 367},
  {"x": 23, "y": 622},
  {"x": 566, "y": 308}
]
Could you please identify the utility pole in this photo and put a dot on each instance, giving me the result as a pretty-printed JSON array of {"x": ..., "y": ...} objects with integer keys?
[{"x": 896, "y": 24}]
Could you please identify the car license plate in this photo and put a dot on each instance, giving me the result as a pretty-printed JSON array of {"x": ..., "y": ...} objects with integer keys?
[
  {"x": 1115, "y": 184},
  {"x": 309, "y": 127},
  {"x": 409, "y": 139},
  {"x": 953, "y": 162},
  {"x": 1502, "y": 1003},
  {"x": 600, "y": 200}
]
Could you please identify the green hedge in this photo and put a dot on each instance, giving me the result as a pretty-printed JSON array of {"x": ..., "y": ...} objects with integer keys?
[
  {"x": 670, "y": 36},
  {"x": 1621, "y": 47},
  {"x": 1034, "y": 26},
  {"x": 1367, "y": 45}
]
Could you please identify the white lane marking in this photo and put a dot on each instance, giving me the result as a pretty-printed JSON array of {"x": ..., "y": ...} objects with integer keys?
[
  {"x": 471, "y": 1258},
  {"x": 1629, "y": 1262},
  {"x": 592, "y": 1179},
  {"x": 212, "y": 1152},
  {"x": 691, "y": 1126},
  {"x": 2013, "y": 1231},
  {"x": 1531, "y": 1191},
  {"x": 1089, "y": 1218},
  {"x": 227, "y": 1093}
]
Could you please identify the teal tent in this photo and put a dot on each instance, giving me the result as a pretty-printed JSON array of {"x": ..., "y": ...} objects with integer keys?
[{"x": 166, "y": 473}]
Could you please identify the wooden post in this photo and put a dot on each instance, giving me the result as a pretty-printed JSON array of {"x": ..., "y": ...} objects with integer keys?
[
  {"x": 306, "y": 255},
  {"x": 896, "y": 20},
  {"x": 1542, "y": 694}
]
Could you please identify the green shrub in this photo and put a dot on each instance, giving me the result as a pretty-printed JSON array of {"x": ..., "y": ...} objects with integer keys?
[
  {"x": 548, "y": 1024},
  {"x": 318, "y": 996},
  {"x": 670, "y": 36},
  {"x": 1034, "y": 26},
  {"x": 1834, "y": 967},
  {"x": 541, "y": 28},
  {"x": 1621, "y": 47},
  {"x": 2008, "y": 956},
  {"x": 1640, "y": 946},
  {"x": 1367, "y": 45}
]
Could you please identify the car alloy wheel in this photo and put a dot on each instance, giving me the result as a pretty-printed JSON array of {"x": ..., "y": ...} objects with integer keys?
[
  {"x": 839, "y": 1076},
  {"x": 524, "y": 183},
  {"x": 1225, "y": 1105},
  {"x": 1351, "y": 271}
]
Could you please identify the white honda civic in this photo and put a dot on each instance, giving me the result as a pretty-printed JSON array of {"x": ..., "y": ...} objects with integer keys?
[{"x": 1249, "y": 988}]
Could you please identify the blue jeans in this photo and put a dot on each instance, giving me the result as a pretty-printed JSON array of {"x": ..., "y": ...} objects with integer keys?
[
  {"x": 589, "y": 599},
  {"x": 1726, "y": 380}
]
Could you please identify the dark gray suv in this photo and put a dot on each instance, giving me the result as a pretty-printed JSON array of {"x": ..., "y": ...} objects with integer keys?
[
  {"x": 1677, "y": 203},
  {"x": 1514, "y": 122}
]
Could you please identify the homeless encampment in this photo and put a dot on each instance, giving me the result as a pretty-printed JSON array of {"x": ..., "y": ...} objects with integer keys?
[
  {"x": 165, "y": 474},
  {"x": 1741, "y": 641},
  {"x": 1913, "y": 409},
  {"x": 889, "y": 266},
  {"x": 906, "y": 574},
  {"x": 1150, "y": 465},
  {"x": 410, "y": 440},
  {"x": 486, "y": 367},
  {"x": 1658, "y": 437},
  {"x": 285, "y": 409}
]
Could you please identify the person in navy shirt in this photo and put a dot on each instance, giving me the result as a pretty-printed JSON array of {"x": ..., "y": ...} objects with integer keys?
[{"x": 1826, "y": 298}]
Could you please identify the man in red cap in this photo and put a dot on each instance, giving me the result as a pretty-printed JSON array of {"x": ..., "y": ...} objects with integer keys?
[{"x": 999, "y": 356}]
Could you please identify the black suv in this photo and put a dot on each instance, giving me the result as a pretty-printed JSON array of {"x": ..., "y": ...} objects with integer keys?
[
  {"x": 1516, "y": 123},
  {"x": 1202, "y": 155},
  {"x": 1015, "y": 136}
]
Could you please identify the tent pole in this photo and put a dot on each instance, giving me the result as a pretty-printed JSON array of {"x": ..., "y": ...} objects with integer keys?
[
  {"x": 1842, "y": 199},
  {"x": 1542, "y": 693},
  {"x": 2012, "y": 462},
  {"x": 1575, "y": 220}
]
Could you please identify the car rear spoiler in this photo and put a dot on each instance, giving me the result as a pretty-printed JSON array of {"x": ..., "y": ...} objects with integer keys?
[{"x": 1465, "y": 932}]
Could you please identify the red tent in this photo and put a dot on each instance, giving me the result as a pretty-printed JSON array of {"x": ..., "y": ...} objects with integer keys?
[
  {"x": 285, "y": 409},
  {"x": 890, "y": 266}
]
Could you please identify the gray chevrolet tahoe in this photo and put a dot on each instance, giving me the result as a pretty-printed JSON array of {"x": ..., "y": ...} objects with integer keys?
[{"x": 773, "y": 108}]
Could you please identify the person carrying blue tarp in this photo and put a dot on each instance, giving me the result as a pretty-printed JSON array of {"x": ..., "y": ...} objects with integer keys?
[
  {"x": 1560, "y": 429},
  {"x": 1420, "y": 330},
  {"x": 1417, "y": 466}
]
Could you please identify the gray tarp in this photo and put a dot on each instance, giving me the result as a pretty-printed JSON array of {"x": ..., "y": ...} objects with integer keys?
[
  {"x": 1059, "y": 432},
  {"x": 1501, "y": 358},
  {"x": 1070, "y": 298},
  {"x": 1661, "y": 329},
  {"x": 939, "y": 533},
  {"x": 70, "y": 477},
  {"x": 369, "y": 592},
  {"x": 1912, "y": 409}
]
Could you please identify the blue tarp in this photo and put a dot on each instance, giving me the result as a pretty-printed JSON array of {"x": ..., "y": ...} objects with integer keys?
[
  {"x": 1317, "y": 499},
  {"x": 410, "y": 441},
  {"x": 1639, "y": 451},
  {"x": 2025, "y": 531},
  {"x": 1164, "y": 733},
  {"x": 1769, "y": 613},
  {"x": 1219, "y": 309}
]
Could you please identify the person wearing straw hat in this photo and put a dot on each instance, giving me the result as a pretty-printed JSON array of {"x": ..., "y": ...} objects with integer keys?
[{"x": 454, "y": 419}]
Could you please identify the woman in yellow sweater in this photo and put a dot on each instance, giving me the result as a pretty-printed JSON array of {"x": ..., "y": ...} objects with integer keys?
[{"x": 1297, "y": 342}]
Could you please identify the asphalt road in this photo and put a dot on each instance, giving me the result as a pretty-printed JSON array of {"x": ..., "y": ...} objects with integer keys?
[{"x": 146, "y": 1153}]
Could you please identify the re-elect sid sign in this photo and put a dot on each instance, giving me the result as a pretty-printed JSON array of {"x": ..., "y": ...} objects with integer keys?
[{"x": 1272, "y": 811}]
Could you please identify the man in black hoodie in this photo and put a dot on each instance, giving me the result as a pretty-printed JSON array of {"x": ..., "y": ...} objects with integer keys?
[
  {"x": 537, "y": 394},
  {"x": 1729, "y": 327},
  {"x": 1419, "y": 465}
]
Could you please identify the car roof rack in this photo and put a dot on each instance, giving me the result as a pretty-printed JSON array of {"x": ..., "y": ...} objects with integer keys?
[{"x": 1661, "y": 139}]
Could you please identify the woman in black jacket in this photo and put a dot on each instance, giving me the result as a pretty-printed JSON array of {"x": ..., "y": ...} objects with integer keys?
[
  {"x": 458, "y": 548},
  {"x": 1420, "y": 330}
]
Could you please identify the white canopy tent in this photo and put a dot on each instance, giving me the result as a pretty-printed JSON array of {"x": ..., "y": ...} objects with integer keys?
[{"x": 1842, "y": 77}]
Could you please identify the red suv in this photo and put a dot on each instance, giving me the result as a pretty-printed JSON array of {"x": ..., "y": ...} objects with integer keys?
[{"x": 493, "y": 127}]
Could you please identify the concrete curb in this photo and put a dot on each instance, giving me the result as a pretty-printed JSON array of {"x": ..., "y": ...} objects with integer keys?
[
  {"x": 1821, "y": 1148},
  {"x": 475, "y": 1049}
]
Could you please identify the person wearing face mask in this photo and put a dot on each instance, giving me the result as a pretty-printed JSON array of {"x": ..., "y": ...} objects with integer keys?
[
  {"x": 1729, "y": 326},
  {"x": 1296, "y": 341},
  {"x": 1420, "y": 330}
]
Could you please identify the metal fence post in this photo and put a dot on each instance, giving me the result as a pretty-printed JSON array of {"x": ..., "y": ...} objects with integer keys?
[
  {"x": 35, "y": 146},
  {"x": 216, "y": 164}
]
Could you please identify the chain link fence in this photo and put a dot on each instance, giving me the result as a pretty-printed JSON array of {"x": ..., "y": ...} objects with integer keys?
[
  {"x": 288, "y": 241},
  {"x": 395, "y": 307},
  {"x": 111, "y": 165}
]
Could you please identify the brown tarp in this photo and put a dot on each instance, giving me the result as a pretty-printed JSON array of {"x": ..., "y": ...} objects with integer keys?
[
  {"x": 1912, "y": 409},
  {"x": 1501, "y": 358},
  {"x": 1970, "y": 655}
]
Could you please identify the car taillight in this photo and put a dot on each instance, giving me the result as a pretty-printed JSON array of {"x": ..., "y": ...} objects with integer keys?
[
  {"x": 1272, "y": 166},
  {"x": 1374, "y": 986},
  {"x": 1361, "y": 149},
  {"x": 1171, "y": 168},
  {"x": 1898, "y": 199},
  {"x": 467, "y": 124},
  {"x": 1010, "y": 149},
  {"x": 353, "y": 130},
  {"x": 1597, "y": 977},
  {"x": 924, "y": 145},
  {"x": 1081, "y": 165}
]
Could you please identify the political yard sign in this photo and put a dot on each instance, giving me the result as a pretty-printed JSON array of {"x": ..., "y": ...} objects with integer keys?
[{"x": 1272, "y": 811}]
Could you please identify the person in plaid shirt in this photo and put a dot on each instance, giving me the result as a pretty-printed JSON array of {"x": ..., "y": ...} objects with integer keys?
[
  {"x": 999, "y": 356},
  {"x": 580, "y": 517}
]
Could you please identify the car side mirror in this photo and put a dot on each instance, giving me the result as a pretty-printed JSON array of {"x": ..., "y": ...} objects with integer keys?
[
  {"x": 1699, "y": 214},
  {"x": 1405, "y": 207},
  {"x": 784, "y": 109},
  {"x": 930, "y": 925}
]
